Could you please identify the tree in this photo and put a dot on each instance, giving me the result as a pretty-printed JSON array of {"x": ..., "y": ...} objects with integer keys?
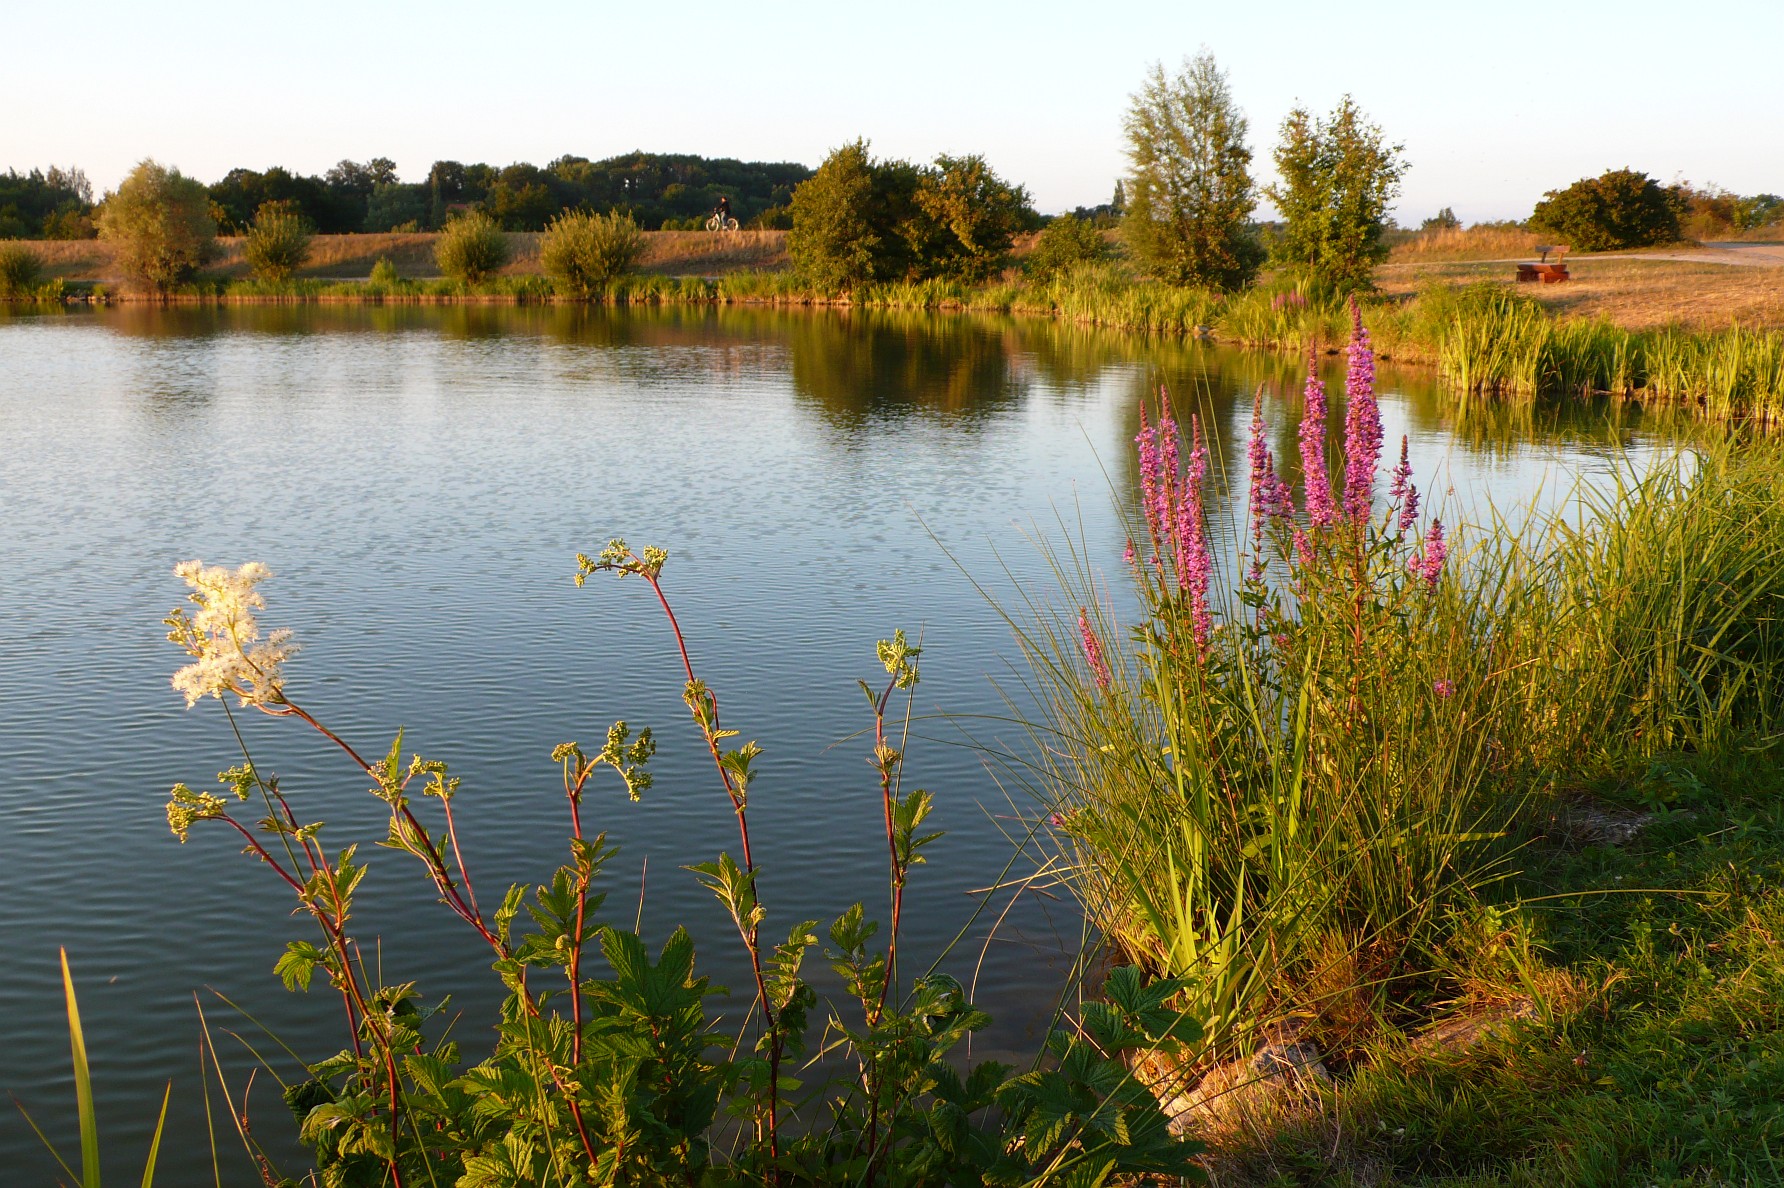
[
  {"x": 975, "y": 216},
  {"x": 1338, "y": 176},
  {"x": 835, "y": 242},
  {"x": 1063, "y": 244},
  {"x": 1443, "y": 220},
  {"x": 1618, "y": 209},
  {"x": 1190, "y": 193},
  {"x": 278, "y": 241},
  {"x": 160, "y": 221}
]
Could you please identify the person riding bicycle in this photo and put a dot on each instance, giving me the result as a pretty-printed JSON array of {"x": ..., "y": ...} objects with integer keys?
[{"x": 724, "y": 211}]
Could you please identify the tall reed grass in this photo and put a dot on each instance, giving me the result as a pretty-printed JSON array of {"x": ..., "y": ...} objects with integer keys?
[{"x": 1288, "y": 783}]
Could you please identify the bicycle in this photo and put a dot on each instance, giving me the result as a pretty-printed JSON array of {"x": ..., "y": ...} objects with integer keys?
[{"x": 719, "y": 222}]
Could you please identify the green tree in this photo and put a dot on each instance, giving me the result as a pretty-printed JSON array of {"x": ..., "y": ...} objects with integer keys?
[
  {"x": 160, "y": 223},
  {"x": 974, "y": 216},
  {"x": 1190, "y": 193},
  {"x": 1338, "y": 176},
  {"x": 278, "y": 241},
  {"x": 1618, "y": 209},
  {"x": 1443, "y": 220},
  {"x": 585, "y": 252},
  {"x": 471, "y": 248},
  {"x": 1063, "y": 244},
  {"x": 837, "y": 237}
]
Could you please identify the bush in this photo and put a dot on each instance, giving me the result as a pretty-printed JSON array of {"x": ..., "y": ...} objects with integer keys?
[
  {"x": 471, "y": 248},
  {"x": 21, "y": 271},
  {"x": 160, "y": 222},
  {"x": 278, "y": 241},
  {"x": 1190, "y": 197},
  {"x": 835, "y": 242},
  {"x": 973, "y": 216},
  {"x": 587, "y": 252},
  {"x": 1063, "y": 244},
  {"x": 1618, "y": 209}
]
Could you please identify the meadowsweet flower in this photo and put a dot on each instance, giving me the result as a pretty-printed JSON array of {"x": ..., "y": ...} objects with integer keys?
[
  {"x": 223, "y": 637},
  {"x": 1362, "y": 421},
  {"x": 1427, "y": 562},
  {"x": 1093, "y": 650},
  {"x": 1444, "y": 688},
  {"x": 1403, "y": 492},
  {"x": 1318, "y": 493}
]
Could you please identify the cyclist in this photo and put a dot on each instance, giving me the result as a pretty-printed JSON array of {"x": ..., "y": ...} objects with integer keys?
[{"x": 724, "y": 211}]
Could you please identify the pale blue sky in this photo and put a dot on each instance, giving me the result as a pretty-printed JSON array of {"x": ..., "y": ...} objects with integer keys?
[{"x": 1495, "y": 103}]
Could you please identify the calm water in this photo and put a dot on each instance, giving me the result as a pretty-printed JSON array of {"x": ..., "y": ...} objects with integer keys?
[{"x": 419, "y": 480}]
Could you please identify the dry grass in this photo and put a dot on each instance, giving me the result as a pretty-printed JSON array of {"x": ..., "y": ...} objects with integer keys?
[
  {"x": 351, "y": 257},
  {"x": 1474, "y": 243},
  {"x": 1634, "y": 293}
]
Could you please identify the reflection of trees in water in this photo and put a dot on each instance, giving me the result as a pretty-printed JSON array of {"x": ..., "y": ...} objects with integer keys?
[{"x": 860, "y": 363}]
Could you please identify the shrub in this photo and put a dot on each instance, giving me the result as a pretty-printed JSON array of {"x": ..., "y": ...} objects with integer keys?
[
  {"x": 160, "y": 222},
  {"x": 1190, "y": 194},
  {"x": 1338, "y": 176},
  {"x": 836, "y": 240},
  {"x": 278, "y": 241},
  {"x": 471, "y": 248},
  {"x": 587, "y": 252},
  {"x": 1063, "y": 244},
  {"x": 627, "y": 1079},
  {"x": 21, "y": 271},
  {"x": 973, "y": 215},
  {"x": 1617, "y": 209}
]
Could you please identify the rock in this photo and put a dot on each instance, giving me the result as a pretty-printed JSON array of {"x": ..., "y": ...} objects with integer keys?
[
  {"x": 1460, "y": 1032},
  {"x": 1282, "y": 1073}
]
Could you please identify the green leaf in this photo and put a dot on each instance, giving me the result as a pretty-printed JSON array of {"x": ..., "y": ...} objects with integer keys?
[{"x": 83, "y": 1084}]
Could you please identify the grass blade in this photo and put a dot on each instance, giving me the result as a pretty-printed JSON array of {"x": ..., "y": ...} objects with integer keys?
[
  {"x": 83, "y": 1085},
  {"x": 148, "y": 1171}
]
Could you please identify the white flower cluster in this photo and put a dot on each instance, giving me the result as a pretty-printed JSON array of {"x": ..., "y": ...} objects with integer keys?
[{"x": 223, "y": 637}]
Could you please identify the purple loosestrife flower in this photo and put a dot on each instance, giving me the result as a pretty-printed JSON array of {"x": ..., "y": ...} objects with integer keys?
[
  {"x": 1427, "y": 563},
  {"x": 1362, "y": 422},
  {"x": 1167, "y": 465},
  {"x": 1152, "y": 479},
  {"x": 1444, "y": 688},
  {"x": 1403, "y": 492},
  {"x": 1318, "y": 494},
  {"x": 1270, "y": 496},
  {"x": 1093, "y": 650},
  {"x": 1303, "y": 548},
  {"x": 1128, "y": 554},
  {"x": 1195, "y": 565}
]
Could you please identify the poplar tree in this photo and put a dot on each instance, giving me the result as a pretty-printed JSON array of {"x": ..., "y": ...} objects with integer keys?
[
  {"x": 1190, "y": 194},
  {"x": 1338, "y": 176}
]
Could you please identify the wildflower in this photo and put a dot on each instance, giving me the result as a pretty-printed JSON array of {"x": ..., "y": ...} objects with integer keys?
[
  {"x": 1362, "y": 421},
  {"x": 1270, "y": 496},
  {"x": 1128, "y": 553},
  {"x": 1318, "y": 494},
  {"x": 1303, "y": 547},
  {"x": 1152, "y": 476},
  {"x": 1194, "y": 562},
  {"x": 1093, "y": 650},
  {"x": 1403, "y": 492},
  {"x": 1444, "y": 688},
  {"x": 223, "y": 638},
  {"x": 1427, "y": 562}
]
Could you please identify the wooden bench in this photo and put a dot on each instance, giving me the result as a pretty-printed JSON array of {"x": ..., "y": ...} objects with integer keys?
[{"x": 1545, "y": 271}]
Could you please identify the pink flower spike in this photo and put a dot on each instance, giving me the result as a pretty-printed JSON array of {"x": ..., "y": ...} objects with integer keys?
[
  {"x": 1444, "y": 688},
  {"x": 1403, "y": 492},
  {"x": 1093, "y": 651},
  {"x": 1362, "y": 422},
  {"x": 1317, "y": 484},
  {"x": 1427, "y": 563}
]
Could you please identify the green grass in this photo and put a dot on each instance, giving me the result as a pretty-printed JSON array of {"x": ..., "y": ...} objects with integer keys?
[{"x": 1660, "y": 1058}]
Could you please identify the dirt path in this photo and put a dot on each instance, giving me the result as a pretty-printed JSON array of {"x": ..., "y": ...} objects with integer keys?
[{"x": 1751, "y": 255}]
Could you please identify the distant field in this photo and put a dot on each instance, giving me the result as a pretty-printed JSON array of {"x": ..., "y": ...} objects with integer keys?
[
  {"x": 1633, "y": 292},
  {"x": 349, "y": 257}
]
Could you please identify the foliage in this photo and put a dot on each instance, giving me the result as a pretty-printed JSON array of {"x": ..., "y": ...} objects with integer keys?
[
  {"x": 1338, "y": 176},
  {"x": 1063, "y": 244},
  {"x": 56, "y": 204},
  {"x": 160, "y": 223},
  {"x": 1617, "y": 209},
  {"x": 21, "y": 271},
  {"x": 586, "y": 252},
  {"x": 625, "y": 1078},
  {"x": 471, "y": 248},
  {"x": 1190, "y": 193},
  {"x": 278, "y": 242},
  {"x": 1443, "y": 220},
  {"x": 837, "y": 239},
  {"x": 975, "y": 215}
]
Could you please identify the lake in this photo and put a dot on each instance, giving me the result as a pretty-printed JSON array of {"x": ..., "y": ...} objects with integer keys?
[{"x": 419, "y": 480}]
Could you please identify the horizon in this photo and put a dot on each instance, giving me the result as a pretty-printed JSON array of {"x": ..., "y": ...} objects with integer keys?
[{"x": 1041, "y": 99}]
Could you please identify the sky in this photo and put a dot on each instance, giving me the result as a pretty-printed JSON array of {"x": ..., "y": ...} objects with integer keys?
[{"x": 1494, "y": 103}]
